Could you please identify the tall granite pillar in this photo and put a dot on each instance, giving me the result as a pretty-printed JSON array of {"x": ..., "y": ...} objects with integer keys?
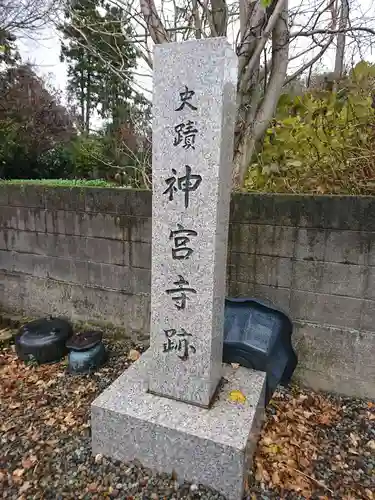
[{"x": 174, "y": 409}]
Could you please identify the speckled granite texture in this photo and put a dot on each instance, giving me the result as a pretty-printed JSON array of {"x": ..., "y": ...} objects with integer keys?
[
  {"x": 193, "y": 126},
  {"x": 212, "y": 447}
]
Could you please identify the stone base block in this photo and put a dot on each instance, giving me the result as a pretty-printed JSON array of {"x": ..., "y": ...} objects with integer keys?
[{"x": 213, "y": 447}]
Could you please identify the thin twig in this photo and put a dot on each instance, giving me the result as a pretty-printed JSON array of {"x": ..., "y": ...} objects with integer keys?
[{"x": 319, "y": 483}]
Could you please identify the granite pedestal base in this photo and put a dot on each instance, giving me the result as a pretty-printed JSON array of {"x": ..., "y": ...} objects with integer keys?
[{"x": 213, "y": 447}]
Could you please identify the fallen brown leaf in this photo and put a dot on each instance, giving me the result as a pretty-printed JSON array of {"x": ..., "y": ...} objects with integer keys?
[
  {"x": 18, "y": 472},
  {"x": 26, "y": 486},
  {"x": 29, "y": 462},
  {"x": 275, "y": 478}
]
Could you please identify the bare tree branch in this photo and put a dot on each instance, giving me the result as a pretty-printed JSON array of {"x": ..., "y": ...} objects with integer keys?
[
  {"x": 266, "y": 41},
  {"x": 25, "y": 16}
]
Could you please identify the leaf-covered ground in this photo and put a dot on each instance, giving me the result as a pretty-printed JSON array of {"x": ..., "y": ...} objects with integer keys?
[{"x": 312, "y": 445}]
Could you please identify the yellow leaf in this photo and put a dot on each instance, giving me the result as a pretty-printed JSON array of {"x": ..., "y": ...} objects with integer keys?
[
  {"x": 273, "y": 449},
  {"x": 134, "y": 355},
  {"x": 237, "y": 396}
]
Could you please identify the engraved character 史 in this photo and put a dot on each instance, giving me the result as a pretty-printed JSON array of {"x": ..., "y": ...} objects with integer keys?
[{"x": 185, "y": 98}]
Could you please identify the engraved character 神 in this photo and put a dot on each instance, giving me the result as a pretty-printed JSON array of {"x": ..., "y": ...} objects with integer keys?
[{"x": 187, "y": 183}]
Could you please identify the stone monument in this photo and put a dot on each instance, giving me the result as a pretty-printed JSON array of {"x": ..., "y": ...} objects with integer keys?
[{"x": 176, "y": 409}]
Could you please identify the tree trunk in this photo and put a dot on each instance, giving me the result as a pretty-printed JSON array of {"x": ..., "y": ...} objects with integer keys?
[
  {"x": 257, "y": 24},
  {"x": 341, "y": 39},
  {"x": 88, "y": 101},
  {"x": 259, "y": 110}
]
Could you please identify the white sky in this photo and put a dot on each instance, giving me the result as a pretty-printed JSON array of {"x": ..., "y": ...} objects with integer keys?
[{"x": 44, "y": 53}]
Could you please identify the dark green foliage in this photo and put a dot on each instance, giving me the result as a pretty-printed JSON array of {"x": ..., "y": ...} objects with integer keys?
[
  {"x": 8, "y": 49},
  {"x": 99, "y": 60}
]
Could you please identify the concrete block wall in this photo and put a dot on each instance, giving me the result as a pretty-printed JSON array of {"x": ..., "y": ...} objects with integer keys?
[
  {"x": 86, "y": 253},
  {"x": 313, "y": 257}
]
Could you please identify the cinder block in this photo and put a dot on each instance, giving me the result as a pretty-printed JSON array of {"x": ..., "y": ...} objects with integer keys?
[
  {"x": 51, "y": 221},
  {"x": 11, "y": 291},
  {"x": 331, "y": 310},
  {"x": 239, "y": 289},
  {"x": 62, "y": 269},
  {"x": 242, "y": 267},
  {"x": 371, "y": 245},
  {"x": 329, "y": 278},
  {"x": 7, "y": 260},
  {"x": 310, "y": 244},
  {"x": 65, "y": 198},
  {"x": 65, "y": 246},
  {"x": 8, "y": 218},
  {"x": 321, "y": 382},
  {"x": 25, "y": 219},
  {"x": 67, "y": 222},
  {"x": 370, "y": 288},
  {"x": 136, "y": 202},
  {"x": 10, "y": 237},
  {"x": 99, "y": 225},
  {"x": 119, "y": 308},
  {"x": 79, "y": 272},
  {"x": 346, "y": 247},
  {"x": 141, "y": 281},
  {"x": 104, "y": 200},
  {"x": 26, "y": 196},
  {"x": 353, "y": 213},
  {"x": 277, "y": 296},
  {"x": 106, "y": 251},
  {"x": 242, "y": 238},
  {"x": 22, "y": 241},
  {"x": 140, "y": 255},
  {"x": 276, "y": 240},
  {"x": 137, "y": 229},
  {"x": 273, "y": 271},
  {"x": 368, "y": 316},
  {"x": 3, "y": 239},
  {"x": 3, "y": 195},
  {"x": 336, "y": 352},
  {"x": 40, "y": 220},
  {"x": 110, "y": 276},
  {"x": 254, "y": 208},
  {"x": 31, "y": 264}
]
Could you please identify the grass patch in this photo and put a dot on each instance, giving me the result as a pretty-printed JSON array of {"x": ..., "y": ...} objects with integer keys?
[{"x": 62, "y": 182}]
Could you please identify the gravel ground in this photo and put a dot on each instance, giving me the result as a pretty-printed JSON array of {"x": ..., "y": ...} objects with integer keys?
[{"x": 312, "y": 445}]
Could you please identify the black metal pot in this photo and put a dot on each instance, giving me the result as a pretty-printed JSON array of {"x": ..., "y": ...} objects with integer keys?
[{"x": 43, "y": 340}]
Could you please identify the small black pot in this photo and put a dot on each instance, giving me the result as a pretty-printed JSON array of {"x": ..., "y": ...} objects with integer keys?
[{"x": 43, "y": 340}]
